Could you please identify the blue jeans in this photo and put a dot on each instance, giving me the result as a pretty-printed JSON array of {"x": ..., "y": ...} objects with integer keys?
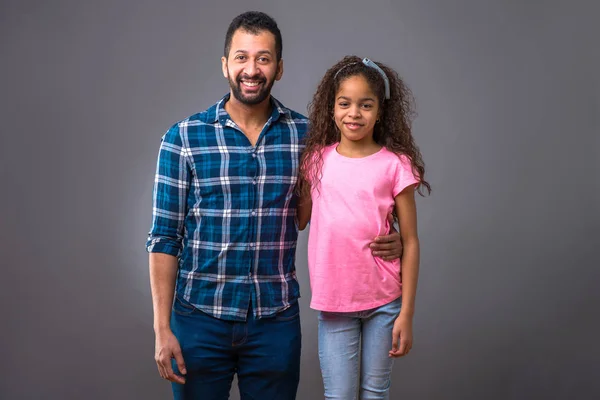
[
  {"x": 353, "y": 350},
  {"x": 265, "y": 354}
]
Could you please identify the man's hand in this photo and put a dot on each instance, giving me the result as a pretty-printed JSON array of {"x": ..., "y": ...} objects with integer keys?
[
  {"x": 167, "y": 347},
  {"x": 402, "y": 333},
  {"x": 388, "y": 247}
]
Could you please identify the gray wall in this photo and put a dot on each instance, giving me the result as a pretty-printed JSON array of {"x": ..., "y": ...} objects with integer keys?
[{"x": 508, "y": 100}]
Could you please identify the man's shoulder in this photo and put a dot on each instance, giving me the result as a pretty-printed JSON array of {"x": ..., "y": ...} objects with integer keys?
[
  {"x": 294, "y": 115},
  {"x": 196, "y": 122},
  {"x": 297, "y": 116},
  {"x": 208, "y": 116},
  {"x": 299, "y": 120}
]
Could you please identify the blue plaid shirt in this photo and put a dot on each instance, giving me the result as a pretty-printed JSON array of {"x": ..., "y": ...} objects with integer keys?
[{"x": 227, "y": 210}]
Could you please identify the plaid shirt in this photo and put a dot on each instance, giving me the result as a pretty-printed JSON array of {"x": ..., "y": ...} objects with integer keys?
[{"x": 227, "y": 210}]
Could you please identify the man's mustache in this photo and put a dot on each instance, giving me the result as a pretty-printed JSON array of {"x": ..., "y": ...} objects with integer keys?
[{"x": 257, "y": 78}]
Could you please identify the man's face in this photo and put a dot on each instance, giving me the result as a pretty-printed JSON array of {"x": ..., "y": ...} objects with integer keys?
[{"x": 251, "y": 66}]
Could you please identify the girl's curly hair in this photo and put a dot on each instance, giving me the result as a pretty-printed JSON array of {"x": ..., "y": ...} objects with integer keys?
[{"x": 393, "y": 131}]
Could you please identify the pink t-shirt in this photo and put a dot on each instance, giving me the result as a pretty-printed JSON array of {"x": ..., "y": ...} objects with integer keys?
[{"x": 349, "y": 209}]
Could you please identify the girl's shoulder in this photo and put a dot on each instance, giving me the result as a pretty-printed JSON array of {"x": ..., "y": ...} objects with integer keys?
[
  {"x": 327, "y": 150},
  {"x": 402, "y": 166},
  {"x": 397, "y": 161},
  {"x": 396, "y": 157}
]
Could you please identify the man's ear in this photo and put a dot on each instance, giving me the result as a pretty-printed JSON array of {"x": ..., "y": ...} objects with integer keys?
[
  {"x": 224, "y": 67},
  {"x": 279, "y": 70}
]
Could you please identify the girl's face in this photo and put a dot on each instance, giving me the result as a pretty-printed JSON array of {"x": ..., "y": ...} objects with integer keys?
[{"x": 356, "y": 109}]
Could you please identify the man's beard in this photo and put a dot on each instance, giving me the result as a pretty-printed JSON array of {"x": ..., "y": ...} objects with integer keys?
[{"x": 255, "y": 98}]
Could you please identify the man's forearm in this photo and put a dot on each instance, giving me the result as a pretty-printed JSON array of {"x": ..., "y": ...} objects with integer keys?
[
  {"x": 304, "y": 211},
  {"x": 163, "y": 272}
]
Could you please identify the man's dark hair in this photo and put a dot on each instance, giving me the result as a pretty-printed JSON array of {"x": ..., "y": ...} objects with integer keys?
[{"x": 254, "y": 22}]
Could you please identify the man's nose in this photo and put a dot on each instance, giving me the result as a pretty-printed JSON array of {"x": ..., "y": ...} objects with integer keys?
[{"x": 251, "y": 68}]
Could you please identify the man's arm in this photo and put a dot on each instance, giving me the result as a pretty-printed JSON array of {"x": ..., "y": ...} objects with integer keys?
[
  {"x": 304, "y": 211},
  {"x": 388, "y": 247},
  {"x": 163, "y": 272},
  {"x": 171, "y": 188}
]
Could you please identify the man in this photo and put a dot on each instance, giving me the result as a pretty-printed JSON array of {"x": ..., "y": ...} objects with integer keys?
[{"x": 223, "y": 239}]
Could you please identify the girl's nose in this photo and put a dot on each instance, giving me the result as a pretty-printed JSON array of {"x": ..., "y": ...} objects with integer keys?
[{"x": 354, "y": 112}]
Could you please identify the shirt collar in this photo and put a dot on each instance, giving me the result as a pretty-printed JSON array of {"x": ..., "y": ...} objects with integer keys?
[{"x": 221, "y": 115}]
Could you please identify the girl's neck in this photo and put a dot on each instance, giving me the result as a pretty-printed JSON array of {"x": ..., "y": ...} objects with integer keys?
[{"x": 357, "y": 149}]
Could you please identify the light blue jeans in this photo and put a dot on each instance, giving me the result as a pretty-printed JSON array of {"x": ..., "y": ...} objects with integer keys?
[{"x": 353, "y": 350}]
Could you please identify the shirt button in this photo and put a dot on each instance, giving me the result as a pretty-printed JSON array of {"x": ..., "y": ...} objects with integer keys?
[
  {"x": 251, "y": 244},
  {"x": 253, "y": 212},
  {"x": 254, "y": 181},
  {"x": 253, "y": 155}
]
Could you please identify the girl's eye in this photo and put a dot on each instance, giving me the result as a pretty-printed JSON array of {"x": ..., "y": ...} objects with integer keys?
[
  {"x": 367, "y": 106},
  {"x": 343, "y": 104}
]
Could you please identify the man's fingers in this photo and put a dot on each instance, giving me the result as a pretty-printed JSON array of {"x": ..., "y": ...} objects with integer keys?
[
  {"x": 161, "y": 368},
  {"x": 170, "y": 375},
  {"x": 387, "y": 247},
  {"x": 176, "y": 378},
  {"x": 179, "y": 361},
  {"x": 167, "y": 370},
  {"x": 379, "y": 246},
  {"x": 387, "y": 238},
  {"x": 386, "y": 254}
]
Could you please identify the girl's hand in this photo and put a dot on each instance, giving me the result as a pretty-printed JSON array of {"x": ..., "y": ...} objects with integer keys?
[{"x": 402, "y": 333}]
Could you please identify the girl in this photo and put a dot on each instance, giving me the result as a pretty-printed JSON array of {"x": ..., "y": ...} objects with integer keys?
[{"x": 360, "y": 163}]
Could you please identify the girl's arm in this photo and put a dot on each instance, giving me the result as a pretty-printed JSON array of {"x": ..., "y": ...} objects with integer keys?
[
  {"x": 406, "y": 210},
  {"x": 304, "y": 211}
]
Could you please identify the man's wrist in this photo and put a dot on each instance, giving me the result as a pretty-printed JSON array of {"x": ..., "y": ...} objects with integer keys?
[{"x": 162, "y": 328}]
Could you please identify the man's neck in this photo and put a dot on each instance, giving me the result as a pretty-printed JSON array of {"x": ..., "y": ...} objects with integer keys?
[{"x": 250, "y": 116}]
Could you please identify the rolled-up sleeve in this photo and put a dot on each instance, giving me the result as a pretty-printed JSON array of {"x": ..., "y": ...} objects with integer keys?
[{"x": 171, "y": 187}]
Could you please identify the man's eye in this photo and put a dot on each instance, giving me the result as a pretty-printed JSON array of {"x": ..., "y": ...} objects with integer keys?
[{"x": 263, "y": 59}]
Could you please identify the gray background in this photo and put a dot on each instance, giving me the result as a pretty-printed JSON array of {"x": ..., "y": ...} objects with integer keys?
[{"x": 508, "y": 101}]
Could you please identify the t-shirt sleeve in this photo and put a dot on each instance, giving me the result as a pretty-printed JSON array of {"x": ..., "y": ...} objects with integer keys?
[
  {"x": 310, "y": 165},
  {"x": 404, "y": 176}
]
